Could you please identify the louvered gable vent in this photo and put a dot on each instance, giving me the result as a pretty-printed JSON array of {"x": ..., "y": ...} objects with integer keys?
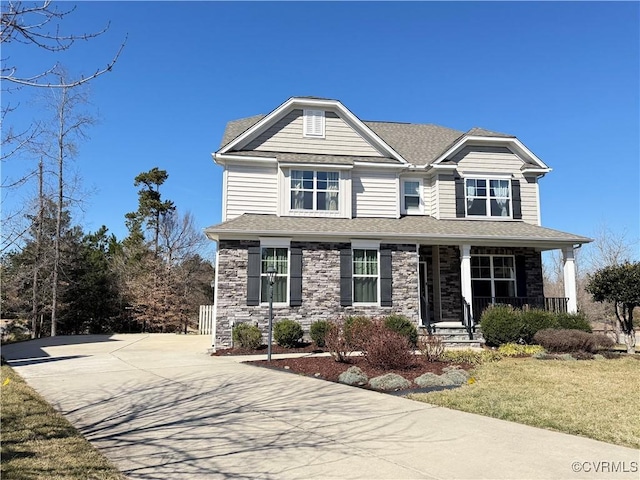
[{"x": 314, "y": 123}]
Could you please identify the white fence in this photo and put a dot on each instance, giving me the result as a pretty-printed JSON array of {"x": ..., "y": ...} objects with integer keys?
[{"x": 205, "y": 321}]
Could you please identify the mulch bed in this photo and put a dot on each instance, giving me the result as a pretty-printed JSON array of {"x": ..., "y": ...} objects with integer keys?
[
  {"x": 301, "y": 348},
  {"x": 326, "y": 368}
]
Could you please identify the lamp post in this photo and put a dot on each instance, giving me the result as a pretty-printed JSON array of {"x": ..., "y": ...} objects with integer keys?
[{"x": 271, "y": 277}]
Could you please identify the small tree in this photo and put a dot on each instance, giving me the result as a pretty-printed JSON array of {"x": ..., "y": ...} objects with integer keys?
[{"x": 620, "y": 285}]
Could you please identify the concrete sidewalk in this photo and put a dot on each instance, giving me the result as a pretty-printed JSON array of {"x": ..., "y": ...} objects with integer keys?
[{"x": 161, "y": 408}]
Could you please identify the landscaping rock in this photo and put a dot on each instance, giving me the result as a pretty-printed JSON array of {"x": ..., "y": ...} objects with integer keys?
[
  {"x": 353, "y": 376},
  {"x": 390, "y": 381},
  {"x": 433, "y": 380}
]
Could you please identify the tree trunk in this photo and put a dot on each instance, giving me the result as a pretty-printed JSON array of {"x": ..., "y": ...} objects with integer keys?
[{"x": 36, "y": 264}]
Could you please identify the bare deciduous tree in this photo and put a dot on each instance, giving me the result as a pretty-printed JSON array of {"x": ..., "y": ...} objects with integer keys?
[{"x": 37, "y": 24}]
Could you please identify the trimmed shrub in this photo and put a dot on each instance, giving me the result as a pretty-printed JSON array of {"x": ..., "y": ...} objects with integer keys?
[
  {"x": 390, "y": 381},
  {"x": 318, "y": 332},
  {"x": 456, "y": 375},
  {"x": 384, "y": 348},
  {"x": 517, "y": 350},
  {"x": 287, "y": 333},
  {"x": 564, "y": 340},
  {"x": 246, "y": 335},
  {"x": 353, "y": 376},
  {"x": 432, "y": 380},
  {"x": 471, "y": 357},
  {"x": 573, "y": 321},
  {"x": 500, "y": 324},
  {"x": 533, "y": 320},
  {"x": 431, "y": 348},
  {"x": 336, "y": 341},
  {"x": 402, "y": 325},
  {"x": 356, "y": 330}
]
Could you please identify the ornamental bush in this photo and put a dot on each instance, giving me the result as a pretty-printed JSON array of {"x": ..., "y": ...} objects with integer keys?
[
  {"x": 565, "y": 340},
  {"x": 533, "y": 320},
  {"x": 573, "y": 321},
  {"x": 517, "y": 350},
  {"x": 318, "y": 332},
  {"x": 402, "y": 325},
  {"x": 386, "y": 349},
  {"x": 500, "y": 324},
  {"x": 287, "y": 333},
  {"x": 356, "y": 330},
  {"x": 246, "y": 335}
]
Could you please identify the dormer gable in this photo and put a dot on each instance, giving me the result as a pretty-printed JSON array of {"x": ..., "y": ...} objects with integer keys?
[
  {"x": 479, "y": 139},
  {"x": 311, "y": 126}
]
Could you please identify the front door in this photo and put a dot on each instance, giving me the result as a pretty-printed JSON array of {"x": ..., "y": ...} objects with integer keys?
[{"x": 424, "y": 295}]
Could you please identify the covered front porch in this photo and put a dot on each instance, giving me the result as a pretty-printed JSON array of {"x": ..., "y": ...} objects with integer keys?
[{"x": 458, "y": 282}]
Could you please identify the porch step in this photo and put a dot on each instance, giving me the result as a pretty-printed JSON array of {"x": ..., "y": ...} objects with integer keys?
[{"x": 454, "y": 334}]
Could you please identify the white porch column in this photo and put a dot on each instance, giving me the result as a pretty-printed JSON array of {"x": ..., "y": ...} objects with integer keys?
[
  {"x": 465, "y": 275},
  {"x": 569, "y": 270}
]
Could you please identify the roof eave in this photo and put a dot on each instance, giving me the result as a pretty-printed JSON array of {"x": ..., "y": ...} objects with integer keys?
[
  {"x": 512, "y": 141},
  {"x": 433, "y": 239}
]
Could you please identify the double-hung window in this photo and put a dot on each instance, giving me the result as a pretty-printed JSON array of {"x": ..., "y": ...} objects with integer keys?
[
  {"x": 493, "y": 276},
  {"x": 411, "y": 196},
  {"x": 279, "y": 259},
  {"x": 315, "y": 190},
  {"x": 365, "y": 275},
  {"x": 486, "y": 197}
]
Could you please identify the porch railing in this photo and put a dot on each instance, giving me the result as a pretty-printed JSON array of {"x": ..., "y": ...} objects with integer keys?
[
  {"x": 467, "y": 319},
  {"x": 550, "y": 304}
]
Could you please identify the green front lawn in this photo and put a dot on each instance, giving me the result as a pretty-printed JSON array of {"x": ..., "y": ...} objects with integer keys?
[
  {"x": 593, "y": 398},
  {"x": 38, "y": 442}
]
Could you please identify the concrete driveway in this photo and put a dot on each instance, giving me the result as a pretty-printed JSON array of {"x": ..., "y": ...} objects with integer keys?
[{"x": 161, "y": 408}]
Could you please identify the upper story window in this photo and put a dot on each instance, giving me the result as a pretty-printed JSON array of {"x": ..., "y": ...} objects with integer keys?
[
  {"x": 487, "y": 197},
  {"x": 278, "y": 258},
  {"x": 314, "y": 122},
  {"x": 412, "y": 202},
  {"x": 314, "y": 190}
]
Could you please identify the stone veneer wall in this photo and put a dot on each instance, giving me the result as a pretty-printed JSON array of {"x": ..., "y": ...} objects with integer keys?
[
  {"x": 450, "y": 284},
  {"x": 320, "y": 288}
]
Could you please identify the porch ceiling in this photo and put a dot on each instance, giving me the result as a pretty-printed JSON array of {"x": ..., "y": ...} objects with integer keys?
[{"x": 409, "y": 229}]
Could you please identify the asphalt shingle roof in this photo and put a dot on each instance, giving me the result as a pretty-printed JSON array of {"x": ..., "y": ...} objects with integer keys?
[
  {"x": 410, "y": 228},
  {"x": 419, "y": 144}
]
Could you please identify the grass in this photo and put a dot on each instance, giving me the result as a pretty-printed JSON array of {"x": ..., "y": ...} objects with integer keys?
[
  {"x": 592, "y": 398},
  {"x": 38, "y": 442}
]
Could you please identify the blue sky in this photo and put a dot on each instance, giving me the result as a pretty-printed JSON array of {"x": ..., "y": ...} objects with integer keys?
[{"x": 563, "y": 77}]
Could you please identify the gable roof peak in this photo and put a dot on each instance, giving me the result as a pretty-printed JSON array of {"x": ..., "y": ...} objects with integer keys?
[{"x": 483, "y": 132}]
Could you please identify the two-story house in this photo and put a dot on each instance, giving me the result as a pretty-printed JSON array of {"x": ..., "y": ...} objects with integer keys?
[{"x": 362, "y": 217}]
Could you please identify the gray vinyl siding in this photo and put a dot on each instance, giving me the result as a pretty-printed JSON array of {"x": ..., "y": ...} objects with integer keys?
[
  {"x": 529, "y": 197},
  {"x": 490, "y": 160},
  {"x": 446, "y": 191},
  {"x": 432, "y": 194},
  {"x": 474, "y": 160},
  {"x": 375, "y": 194},
  {"x": 286, "y": 135},
  {"x": 251, "y": 189}
]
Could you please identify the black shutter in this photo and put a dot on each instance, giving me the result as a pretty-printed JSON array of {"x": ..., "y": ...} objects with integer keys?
[
  {"x": 295, "y": 274},
  {"x": 516, "y": 201},
  {"x": 385, "y": 278},
  {"x": 521, "y": 275},
  {"x": 346, "y": 297},
  {"x": 253, "y": 277},
  {"x": 460, "y": 200}
]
